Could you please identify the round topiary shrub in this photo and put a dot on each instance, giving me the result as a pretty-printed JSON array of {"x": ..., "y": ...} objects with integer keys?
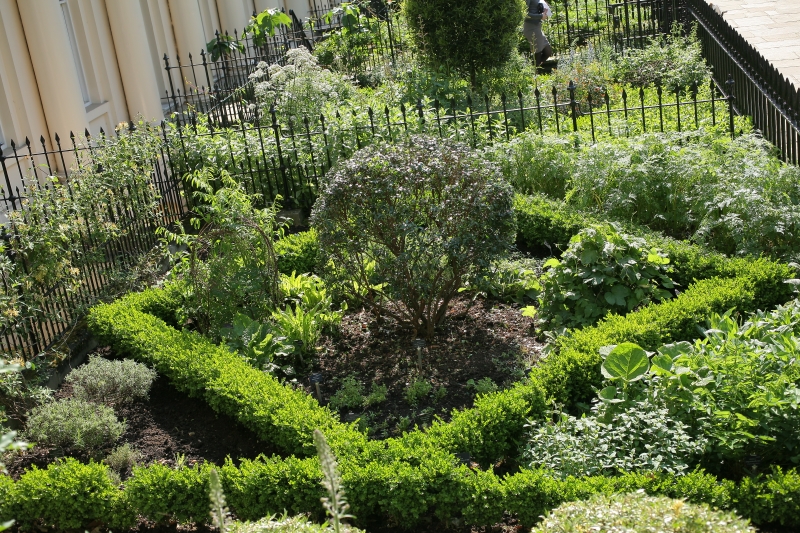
[
  {"x": 467, "y": 37},
  {"x": 74, "y": 425},
  {"x": 405, "y": 225},
  {"x": 632, "y": 513},
  {"x": 111, "y": 382}
]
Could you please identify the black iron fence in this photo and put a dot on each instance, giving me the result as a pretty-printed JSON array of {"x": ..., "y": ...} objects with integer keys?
[{"x": 759, "y": 89}]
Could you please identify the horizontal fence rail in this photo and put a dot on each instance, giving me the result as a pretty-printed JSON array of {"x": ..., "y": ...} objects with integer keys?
[{"x": 759, "y": 89}]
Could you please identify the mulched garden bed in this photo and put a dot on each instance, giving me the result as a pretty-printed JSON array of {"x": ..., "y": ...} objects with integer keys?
[
  {"x": 168, "y": 425},
  {"x": 479, "y": 339}
]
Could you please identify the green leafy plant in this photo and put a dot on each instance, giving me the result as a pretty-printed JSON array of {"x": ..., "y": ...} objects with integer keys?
[
  {"x": 483, "y": 386},
  {"x": 300, "y": 326},
  {"x": 223, "y": 46},
  {"x": 510, "y": 281},
  {"x": 265, "y": 24},
  {"x": 465, "y": 37},
  {"x": 335, "y": 504},
  {"x": 230, "y": 262},
  {"x": 640, "y": 437},
  {"x": 377, "y": 395},
  {"x": 675, "y": 63},
  {"x": 123, "y": 458},
  {"x": 602, "y": 270},
  {"x": 111, "y": 383},
  {"x": 417, "y": 391},
  {"x": 413, "y": 223},
  {"x": 259, "y": 344},
  {"x": 349, "y": 396},
  {"x": 21, "y": 390},
  {"x": 639, "y": 512},
  {"x": 74, "y": 425}
]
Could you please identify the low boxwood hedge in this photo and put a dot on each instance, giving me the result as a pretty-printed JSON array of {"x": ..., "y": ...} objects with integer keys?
[{"x": 407, "y": 480}]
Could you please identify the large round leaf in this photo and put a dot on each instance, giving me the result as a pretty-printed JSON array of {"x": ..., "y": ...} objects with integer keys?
[{"x": 627, "y": 362}]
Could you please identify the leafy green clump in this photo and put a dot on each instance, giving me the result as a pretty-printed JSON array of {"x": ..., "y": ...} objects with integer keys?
[
  {"x": 111, "y": 382},
  {"x": 623, "y": 513},
  {"x": 74, "y": 424},
  {"x": 602, "y": 271},
  {"x": 467, "y": 37},
  {"x": 676, "y": 63},
  {"x": 406, "y": 226},
  {"x": 349, "y": 396}
]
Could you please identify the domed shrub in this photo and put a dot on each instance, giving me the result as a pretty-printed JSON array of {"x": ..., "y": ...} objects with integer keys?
[
  {"x": 629, "y": 513},
  {"x": 111, "y": 382},
  {"x": 467, "y": 37},
  {"x": 74, "y": 425},
  {"x": 405, "y": 225}
]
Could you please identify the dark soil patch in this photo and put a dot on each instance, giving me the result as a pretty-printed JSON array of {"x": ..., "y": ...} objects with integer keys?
[
  {"x": 479, "y": 339},
  {"x": 168, "y": 425}
]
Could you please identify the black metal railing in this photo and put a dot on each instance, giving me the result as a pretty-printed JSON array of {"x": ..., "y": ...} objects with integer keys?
[{"x": 759, "y": 89}]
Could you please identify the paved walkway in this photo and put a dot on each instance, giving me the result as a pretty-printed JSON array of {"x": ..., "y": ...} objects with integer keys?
[{"x": 771, "y": 26}]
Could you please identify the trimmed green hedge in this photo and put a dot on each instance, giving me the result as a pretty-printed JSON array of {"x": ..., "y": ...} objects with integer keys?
[
  {"x": 69, "y": 495},
  {"x": 298, "y": 252},
  {"x": 402, "y": 481}
]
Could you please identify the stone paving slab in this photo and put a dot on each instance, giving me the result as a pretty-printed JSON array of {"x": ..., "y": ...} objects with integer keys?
[{"x": 771, "y": 26}]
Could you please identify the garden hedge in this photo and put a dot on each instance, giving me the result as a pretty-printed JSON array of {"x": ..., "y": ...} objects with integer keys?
[{"x": 409, "y": 479}]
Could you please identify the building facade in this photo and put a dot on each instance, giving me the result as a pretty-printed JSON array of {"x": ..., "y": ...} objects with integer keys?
[{"x": 82, "y": 65}]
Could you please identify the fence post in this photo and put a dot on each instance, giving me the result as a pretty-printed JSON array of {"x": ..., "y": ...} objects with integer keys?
[
  {"x": 571, "y": 87},
  {"x": 729, "y": 84}
]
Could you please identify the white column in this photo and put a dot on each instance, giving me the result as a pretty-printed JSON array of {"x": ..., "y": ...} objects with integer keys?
[
  {"x": 134, "y": 59},
  {"x": 54, "y": 66},
  {"x": 300, "y": 8},
  {"x": 233, "y": 15},
  {"x": 188, "y": 26},
  {"x": 263, "y": 5}
]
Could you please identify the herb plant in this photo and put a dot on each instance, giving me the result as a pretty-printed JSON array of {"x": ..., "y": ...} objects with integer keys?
[
  {"x": 111, "y": 383},
  {"x": 602, "y": 271},
  {"x": 74, "y": 425}
]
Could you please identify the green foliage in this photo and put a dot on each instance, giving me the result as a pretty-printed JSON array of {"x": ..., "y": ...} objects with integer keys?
[
  {"x": 300, "y": 326},
  {"x": 259, "y": 344},
  {"x": 377, "y": 395},
  {"x": 223, "y": 46},
  {"x": 636, "y": 512},
  {"x": 465, "y": 37},
  {"x": 111, "y": 383},
  {"x": 483, "y": 385},
  {"x": 284, "y": 524},
  {"x": 21, "y": 389},
  {"x": 734, "y": 196},
  {"x": 8, "y": 440},
  {"x": 230, "y": 263},
  {"x": 430, "y": 215},
  {"x": 335, "y": 504},
  {"x": 602, "y": 271},
  {"x": 301, "y": 88},
  {"x": 277, "y": 413},
  {"x": 738, "y": 387},
  {"x": 48, "y": 252},
  {"x": 264, "y": 25},
  {"x": 74, "y": 425},
  {"x": 675, "y": 63},
  {"x": 349, "y": 396},
  {"x": 544, "y": 225},
  {"x": 160, "y": 493},
  {"x": 417, "y": 391},
  {"x": 123, "y": 458},
  {"x": 297, "y": 253},
  {"x": 510, "y": 281},
  {"x": 67, "y": 495},
  {"x": 640, "y": 438}
]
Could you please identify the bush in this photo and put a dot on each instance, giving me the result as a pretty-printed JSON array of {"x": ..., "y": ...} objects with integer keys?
[
  {"x": 122, "y": 458},
  {"x": 160, "y": 493},
  {"x": 74, "y": 424},
  {"x": 406, "y": 225},
  {"x": 467, "y": 37},
  {"x": 67, "y": 495},
  {"x": 349, "y": 396},
  {"x": 638, "y": 512},
  {"x": 111, "y": 382},
  {"x": 675, "y": 64},
  {"x": 602, "y": 271},
  {"x": 641, "y": 438},
  {"x": 230, "y": 262},
  {"x": 297, "y": 253}
]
